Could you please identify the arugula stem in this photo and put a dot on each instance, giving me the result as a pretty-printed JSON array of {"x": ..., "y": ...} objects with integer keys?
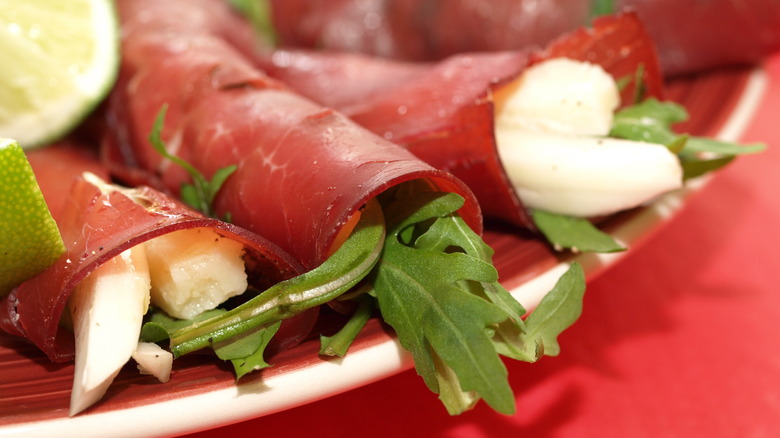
[
  {"x": 201, "y": 193},
  {"x": 338, "y": 344},
  {"x": 340, "y": 272}
]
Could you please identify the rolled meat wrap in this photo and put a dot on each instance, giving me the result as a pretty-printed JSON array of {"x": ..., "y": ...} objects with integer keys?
[
  {"x": 692, "y": 35},
  {"x": 302, "y": 170},
  {"x": 423, "y": 30},
  {"x": 444, "y": 112},
  {"x": 618, "y": 43},
  {"x": 99, "y": 224}
]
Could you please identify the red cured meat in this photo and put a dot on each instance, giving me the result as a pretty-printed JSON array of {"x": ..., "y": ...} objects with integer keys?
[
  {"x": 443, "y": 112},
  {"x": 57, "y": 165},
  {"x": 696, "y": 35},
  {"x": 692, "y": 35},
  {"x": 303, "y": 170},
  {"x": 618, "y": 43},
  {"x": 97, "y": 226},
  {"x": 423, "y": 29},
  {"x": 322, "y": 75}
]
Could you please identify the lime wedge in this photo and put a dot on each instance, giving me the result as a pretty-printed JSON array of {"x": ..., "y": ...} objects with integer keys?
[
  {"x": 58, "y": 60},
  {"x": 29, "y": 238}
]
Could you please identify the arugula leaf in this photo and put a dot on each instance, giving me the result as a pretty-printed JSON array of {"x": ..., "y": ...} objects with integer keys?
[
  {"x": 452, "y": 232},
  {"x": 418, "y": 294},
  {"x": 246, "y": 351},
  {"x": 602, "y": 7},
  {"x": 259, "y": 14},
  {"x": 709, "y": 145},
  {"x": 558, "y": 310},
  {"x": 338, "y": 344},
  {"x": 201, "y": 193},
  {"x": 452, "y": 396},
  {"x": 648, "y": 121},
  {"x": 697, "y": 167},
  {"x": 437, "y": 288},
  {"x": 640, "y": 87},
  {"x": 245, "y": 344},
  {"x": 703, "y": 155},
  {"x": 577, "y": 234},
  {"x": 436, "y": 316},
  {"x": 159, "y": 325},
  {"x": 652, "y": 120}
]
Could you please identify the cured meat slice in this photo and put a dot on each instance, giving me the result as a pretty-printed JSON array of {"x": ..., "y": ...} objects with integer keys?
[
  {"x": 691, "y": 35},
  {"x": 443, "y": 112},
  {"x": 303, "y": 170},
  {"x": 98, "y": 224},
  {"x": 424, "y": 30}
]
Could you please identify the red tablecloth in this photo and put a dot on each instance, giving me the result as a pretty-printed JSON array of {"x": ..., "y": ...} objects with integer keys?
[{"x": 679, "y": 339}]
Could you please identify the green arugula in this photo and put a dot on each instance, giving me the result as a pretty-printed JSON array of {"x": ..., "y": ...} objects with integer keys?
[
  {"x": 339, "y": 273},
  {"x": 577, "y": 234},
  {"x": 338, "y": 344},
  {"x": 260, "y": 16},
  {"x": 558, "y": 310},
  {"x": 245, "y": 351},
  {"x": 241, "y": 335},
  {"x": 649, "y": 121},
  {"x": 602, "y": 7},
  {"x": 201, "y": 193},
  {"x": 652, "y": 121},
  {"x": 437, "y": 288},
  {"x": 158, "y": 326}
]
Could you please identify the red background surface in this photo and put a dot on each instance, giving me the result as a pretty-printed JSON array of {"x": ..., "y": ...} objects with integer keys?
[{"x": 679, "y": 339}]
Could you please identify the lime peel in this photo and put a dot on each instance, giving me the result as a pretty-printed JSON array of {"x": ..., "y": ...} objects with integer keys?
[
  {"x": 29, "y": 238},
  {"x": 59, "y": 60}
]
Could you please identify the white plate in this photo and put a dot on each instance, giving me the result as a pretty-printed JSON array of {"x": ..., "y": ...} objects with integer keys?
[{"x": 34, "y": 394}]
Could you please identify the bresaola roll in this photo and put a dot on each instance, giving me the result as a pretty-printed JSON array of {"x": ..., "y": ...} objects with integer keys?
[
  {"x": 444, "y": 112},
  {"x": 692, "y": 35},
  {"x": 423, "y": 30},
  {"x": 98, "y": 223},
  {"x": 303, "y": 170}
]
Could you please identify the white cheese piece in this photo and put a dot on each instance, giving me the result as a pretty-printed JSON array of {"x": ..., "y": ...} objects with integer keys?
[
  {"x": 561, "y": 95},
  {"x": 153, "y": 360},
  {"x": 584, "y": 176},
  {"x": 551, "y": 125},
  {"x": 194, "y": 270},
  {"x": 107, "y": 310}
]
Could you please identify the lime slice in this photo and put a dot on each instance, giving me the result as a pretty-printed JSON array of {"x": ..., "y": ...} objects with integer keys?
[
  {"x": 29, "y": 238},
  {"x": 58, "y": 60}
]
